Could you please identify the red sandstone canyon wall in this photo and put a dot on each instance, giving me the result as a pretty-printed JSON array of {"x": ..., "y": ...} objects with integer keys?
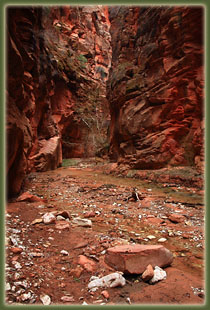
[
  {"x": 156, "y": 86},
  {"x": 71, "y": 68},
  {"x": 58, "y": 60}
]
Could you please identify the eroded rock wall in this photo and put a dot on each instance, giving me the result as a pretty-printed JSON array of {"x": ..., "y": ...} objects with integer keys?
[
  {"x": 78, "y": 42},
  {"x": 29, "y": 119},
  {"x": 58, "y": 61},
  {"x": 155, "y": 88}
]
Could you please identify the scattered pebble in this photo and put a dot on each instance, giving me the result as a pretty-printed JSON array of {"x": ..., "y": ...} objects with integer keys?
[
  {"x": 159, "y": 274},
  {"x": 67, "y": 299},
  {"x": 82, "y": 222},
  {"x": 64, "y": 252},
  {"x": 162, "y": 240},
  {"x": 45, "y": 299},
  {"x": 105, "y": 294},
  {"x": 48, "y": 218},
  {"x": 151, "y": 237}
]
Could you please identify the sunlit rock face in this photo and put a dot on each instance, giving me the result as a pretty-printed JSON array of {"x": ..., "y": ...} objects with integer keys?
[
  {"x": 58, "y": 60},
  {"x": 155, "y": 88},
  {"x": 78, "y": 42}
]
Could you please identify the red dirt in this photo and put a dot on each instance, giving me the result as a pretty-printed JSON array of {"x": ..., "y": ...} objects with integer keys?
[{"x": 115, "y": 221}]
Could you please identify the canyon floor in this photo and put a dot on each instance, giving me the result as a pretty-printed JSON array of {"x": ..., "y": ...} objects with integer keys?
[{"x": 44, "y": 259}]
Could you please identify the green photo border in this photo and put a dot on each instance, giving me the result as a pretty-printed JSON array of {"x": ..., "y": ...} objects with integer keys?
[{"x": 4, "y": 3}]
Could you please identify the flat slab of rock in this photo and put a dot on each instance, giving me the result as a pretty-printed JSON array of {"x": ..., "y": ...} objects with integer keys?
[
  {"x": 176, "y": 218},
  {"x": 133, "y": 259},
  {"x": 28, "y": 197}
]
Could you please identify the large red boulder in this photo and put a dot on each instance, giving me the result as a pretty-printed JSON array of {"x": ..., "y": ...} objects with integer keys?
[{"x": 133, "y": 259}]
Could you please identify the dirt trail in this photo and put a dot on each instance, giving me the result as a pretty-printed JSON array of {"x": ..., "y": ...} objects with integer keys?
[{"x": 83, "y": 191}]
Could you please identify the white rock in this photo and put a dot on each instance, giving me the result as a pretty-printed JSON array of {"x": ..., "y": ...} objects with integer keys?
[
  {"x": 64, "y": 252},
  {"x": 111, "y": 280},
  {"x": 36, "y": 254},
  {"x": 48, "y": 218},
  {"x": 23, "y": 284},
  {"x": 82, "y": 222},
  {"x": 8, "y": 287},
  {"x": 150, "y": 237},
  {"x": 45, "y": 299},
  {"x": 67, "y": 298},
  {"x": 17, "y": 265},
  {"x": 60, "y": 218},
  {"x": 13, "y": 241},
  {"x": 84, "y": 303},
  {"x": 162, "y": 240},
  {"x": 159, "y": 274},
  {"x": 25, "y": 296}
]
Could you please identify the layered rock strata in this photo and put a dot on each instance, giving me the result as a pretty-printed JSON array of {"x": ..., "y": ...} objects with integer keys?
[
  {"x": 155, "y": 88},
  {"x": 58, "y": 60}
]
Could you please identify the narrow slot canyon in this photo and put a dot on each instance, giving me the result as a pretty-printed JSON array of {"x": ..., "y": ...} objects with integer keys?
[{"x": 105, "y": 155}]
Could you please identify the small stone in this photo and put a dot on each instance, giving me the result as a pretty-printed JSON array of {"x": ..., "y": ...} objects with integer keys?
[
  {"x": 159, "y": 274},
  {"x": 151, "y": 237},
  {"x": 176, "y": 218},
  {"x": 89, "y": 214},
  {"x": 45, "y": 299},
  {"x": 155, "y": 220},
  {"x": 15, "y": 258},
  {"x": 36, "y": 254},
  {"x": 17, "y": 265},
  {"x": 105, "y": 294},
  {"x": 67, "y": 298},
  {"x": 16, "y": 250},
  {"x": 25, "y": 296},
  {"x": 84, "y": 303},
  {"x": 61, "y": 225},
  {"x": 81, "y": 245},
  {"x": 64, "y": 252},
  {"x": 148, "y": 273},
  {"x": 162, "y": 240},
  {"x": 48, "y": 218},
  {"x": 82, "y": 222},
  {"x": 23, "y": 284},
  {"x": 36, "y": 221},
  {"x": 99, "y": 301},
  {"x": 128, "y": 300},
  {"x": 186, "y": 236},
  {"x": 28, "y": 197},
  {"x": 188, "y": 223},
  {"x": 60, "y": 218},
  {"x": 64, "y": 214},
  {"x": 88, "y": 264},
  {"x": 76, "y": 272}
]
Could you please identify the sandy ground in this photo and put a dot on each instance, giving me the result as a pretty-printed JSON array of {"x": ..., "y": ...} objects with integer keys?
[{"x": 35, "y": 265}]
